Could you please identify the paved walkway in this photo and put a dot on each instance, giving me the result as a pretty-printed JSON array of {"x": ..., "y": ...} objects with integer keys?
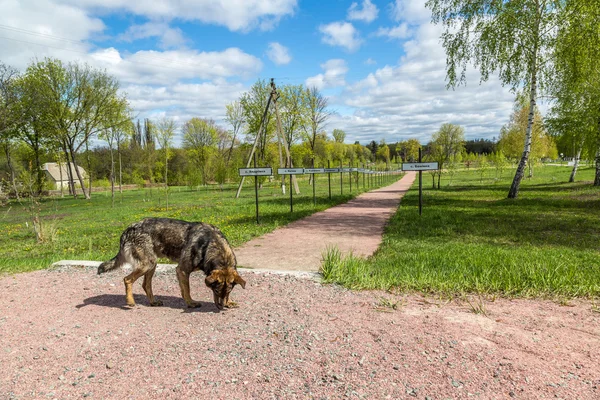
[{"x": 356, "y": 226}]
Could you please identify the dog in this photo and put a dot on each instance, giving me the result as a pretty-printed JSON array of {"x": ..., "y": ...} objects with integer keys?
[{"x": 193, "y": 245}]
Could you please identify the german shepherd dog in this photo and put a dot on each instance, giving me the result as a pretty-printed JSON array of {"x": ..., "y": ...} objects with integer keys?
[{"x": 193, "y": 245}]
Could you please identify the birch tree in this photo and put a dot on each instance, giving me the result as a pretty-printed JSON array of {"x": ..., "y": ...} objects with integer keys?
[
  {"x": 165, "y": 132},
  {"x": 514, "y": 39},
  {"x": 576, "y": 89}
]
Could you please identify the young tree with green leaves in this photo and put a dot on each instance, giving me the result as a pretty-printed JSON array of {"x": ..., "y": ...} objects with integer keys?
[
  {"x": 165, "y": 132},
  {"x": 199, "y": 139},
  {"x": 575, "y": 113},
  {"x": 317, "y": 114},
  {"x": 234, "y": 115},
  {"x": 10, "y": 115},
  {"x": 515, "y": 39},
  {"x": 292, "y": 110}
]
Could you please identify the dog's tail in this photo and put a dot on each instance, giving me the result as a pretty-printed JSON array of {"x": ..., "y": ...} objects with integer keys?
[{"x": 111, "y": 264}]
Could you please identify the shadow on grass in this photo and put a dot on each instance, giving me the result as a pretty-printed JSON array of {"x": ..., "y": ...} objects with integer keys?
[{"x": 118, "y": 301}]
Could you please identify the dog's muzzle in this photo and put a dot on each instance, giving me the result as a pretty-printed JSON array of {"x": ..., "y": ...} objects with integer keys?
[{"x": 219, "y": 301}]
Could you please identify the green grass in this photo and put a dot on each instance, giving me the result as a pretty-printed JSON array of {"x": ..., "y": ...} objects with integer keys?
[
  {"x": 90, "y": 229},
  {"x": 472, "y": 239}
]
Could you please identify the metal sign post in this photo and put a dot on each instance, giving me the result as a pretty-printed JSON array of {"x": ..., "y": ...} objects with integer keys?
[
  {"x": 314, "y": 171},
  {"x": 290, "y": 172},
  {"x": 255, "y": 172},
  {"x": 329, "y": 175},
  {"x": 420, "y": 166}
]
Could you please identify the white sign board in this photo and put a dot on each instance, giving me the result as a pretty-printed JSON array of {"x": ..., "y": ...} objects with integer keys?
[
  {"x": 419, "y": 166},
  {"x": 256, "y": 171},
  {"x": 314, "y": 170},
  {"x": 332, "y": 170},
  {"x": 290, "y": 171}
]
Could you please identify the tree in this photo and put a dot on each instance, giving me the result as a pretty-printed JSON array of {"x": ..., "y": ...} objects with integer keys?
[
  {"x": 9, "y": 116},
  {"x": 339, "y": 135},
  {"x": 76, "y": 99},
  {"x": 116, "y": 124},
  {"x": 234, "y": 115},
  {"x": 317, "y": 115},
  {"x": 199, "y": 137},
  {"x": 293, "y": 102},
  {"x": 446, "y": 144},
  {"x": 254, "y": 103},
  {"x": 514, "y": 134},
  {"x": 165, "y": 132},
  {"x": 516, "y": 39},
  {"x": 575, "y": 114}
]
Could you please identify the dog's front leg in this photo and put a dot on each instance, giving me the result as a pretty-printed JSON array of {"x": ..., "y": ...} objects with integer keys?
[{"x": 184, "y": 283}]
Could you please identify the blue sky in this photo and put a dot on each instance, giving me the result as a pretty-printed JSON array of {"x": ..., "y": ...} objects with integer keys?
[{"x": 379, "y": 62}]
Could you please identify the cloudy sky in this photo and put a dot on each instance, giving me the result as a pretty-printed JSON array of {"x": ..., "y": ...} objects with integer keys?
[{"x": 379, "y": 62}]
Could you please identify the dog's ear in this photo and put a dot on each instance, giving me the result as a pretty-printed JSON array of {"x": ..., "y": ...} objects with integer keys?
[{"x": 238, "y": 279}]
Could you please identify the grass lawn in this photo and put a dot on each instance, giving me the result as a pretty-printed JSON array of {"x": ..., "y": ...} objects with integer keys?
[
  {"x": 471, "y": 238},
  {"x": 90, "y": 229}
]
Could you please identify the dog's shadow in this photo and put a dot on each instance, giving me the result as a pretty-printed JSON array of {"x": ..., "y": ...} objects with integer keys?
[{"x": 118, "y": 301}]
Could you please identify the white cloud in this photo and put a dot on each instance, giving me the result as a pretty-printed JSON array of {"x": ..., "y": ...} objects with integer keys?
[
  {"x": 335, "y": 71},
  {"x": 151, "y": 67},
  {"x": 236, "y": 15},
  {"x": 44, "y": 28},
  {"x": 368, "y": 13},
  {"x": 341, "y": 34},
  {"x": 279, "y": 54},
  {"x": 169, "y": 37},
  {"x": 410, "y": 100},
  {"x": 411, "y": 11},
  {"x": 370, "y": 61},
  {"x": 401, "y": 31}
]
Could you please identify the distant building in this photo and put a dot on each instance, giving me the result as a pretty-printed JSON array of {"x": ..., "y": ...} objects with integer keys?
[{"x": 59, "y": 177}]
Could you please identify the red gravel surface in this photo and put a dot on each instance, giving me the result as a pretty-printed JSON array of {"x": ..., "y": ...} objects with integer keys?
[
  {"x": 65, "y": 333},
  {"x": 356, "y": 226}
]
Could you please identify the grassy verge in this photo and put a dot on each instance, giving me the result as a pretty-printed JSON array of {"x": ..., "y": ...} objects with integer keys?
[
  {"x": 90, "y": 229},
  {"x": 471, "y": 238}
]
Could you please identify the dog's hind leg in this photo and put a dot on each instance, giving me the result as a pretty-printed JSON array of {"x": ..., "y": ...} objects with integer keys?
[
  {"x": 184, "y": 283},
  {"x": 147, "y": 285},
  {"x": 129, "y": 280}
]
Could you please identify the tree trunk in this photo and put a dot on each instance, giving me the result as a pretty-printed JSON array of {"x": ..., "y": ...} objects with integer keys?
[
  {"x": 530, "y": 165},
  {"x": 71, "y": 181},
  {"x": 576, "y": 164},
  {"x": 120, "y": 169},
  {"x": 112, "y": 178},
  {"x": 597, "y": 177},
  {"x": 514, "y": 188},
  {"x": 13, "y": 180},
  {"x": 79, "y": 176},
  {"x": 166, "y": 177},
  {"x": 89, "y": 165},
  {"x": 60, "y": 175}
]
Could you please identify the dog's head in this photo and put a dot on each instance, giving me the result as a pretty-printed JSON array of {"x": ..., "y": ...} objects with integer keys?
[{"x": 222, "y": 282}]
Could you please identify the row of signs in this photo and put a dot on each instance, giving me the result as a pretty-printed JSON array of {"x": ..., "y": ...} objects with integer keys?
[{"x": 300, "y": 171}]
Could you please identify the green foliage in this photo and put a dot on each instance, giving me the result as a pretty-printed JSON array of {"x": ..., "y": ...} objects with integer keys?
[{"x": 466, "y": 241}]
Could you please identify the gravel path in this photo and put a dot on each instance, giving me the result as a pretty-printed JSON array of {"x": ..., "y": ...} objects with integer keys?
[
  {"x": 64, "y": 333},
  {"x": 356, "y": 226}
]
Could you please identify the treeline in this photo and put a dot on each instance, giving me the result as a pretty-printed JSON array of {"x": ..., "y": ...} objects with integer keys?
[{"x": 74, "y": 114}]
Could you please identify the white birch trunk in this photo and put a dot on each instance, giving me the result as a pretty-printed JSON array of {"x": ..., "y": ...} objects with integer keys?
[
  {"x": 514, "y": 188},
  {"x": 576, "y": 164}
]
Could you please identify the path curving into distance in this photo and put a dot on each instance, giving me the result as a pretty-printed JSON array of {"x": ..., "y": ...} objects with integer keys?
[{"x": 356, "y": 226}]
